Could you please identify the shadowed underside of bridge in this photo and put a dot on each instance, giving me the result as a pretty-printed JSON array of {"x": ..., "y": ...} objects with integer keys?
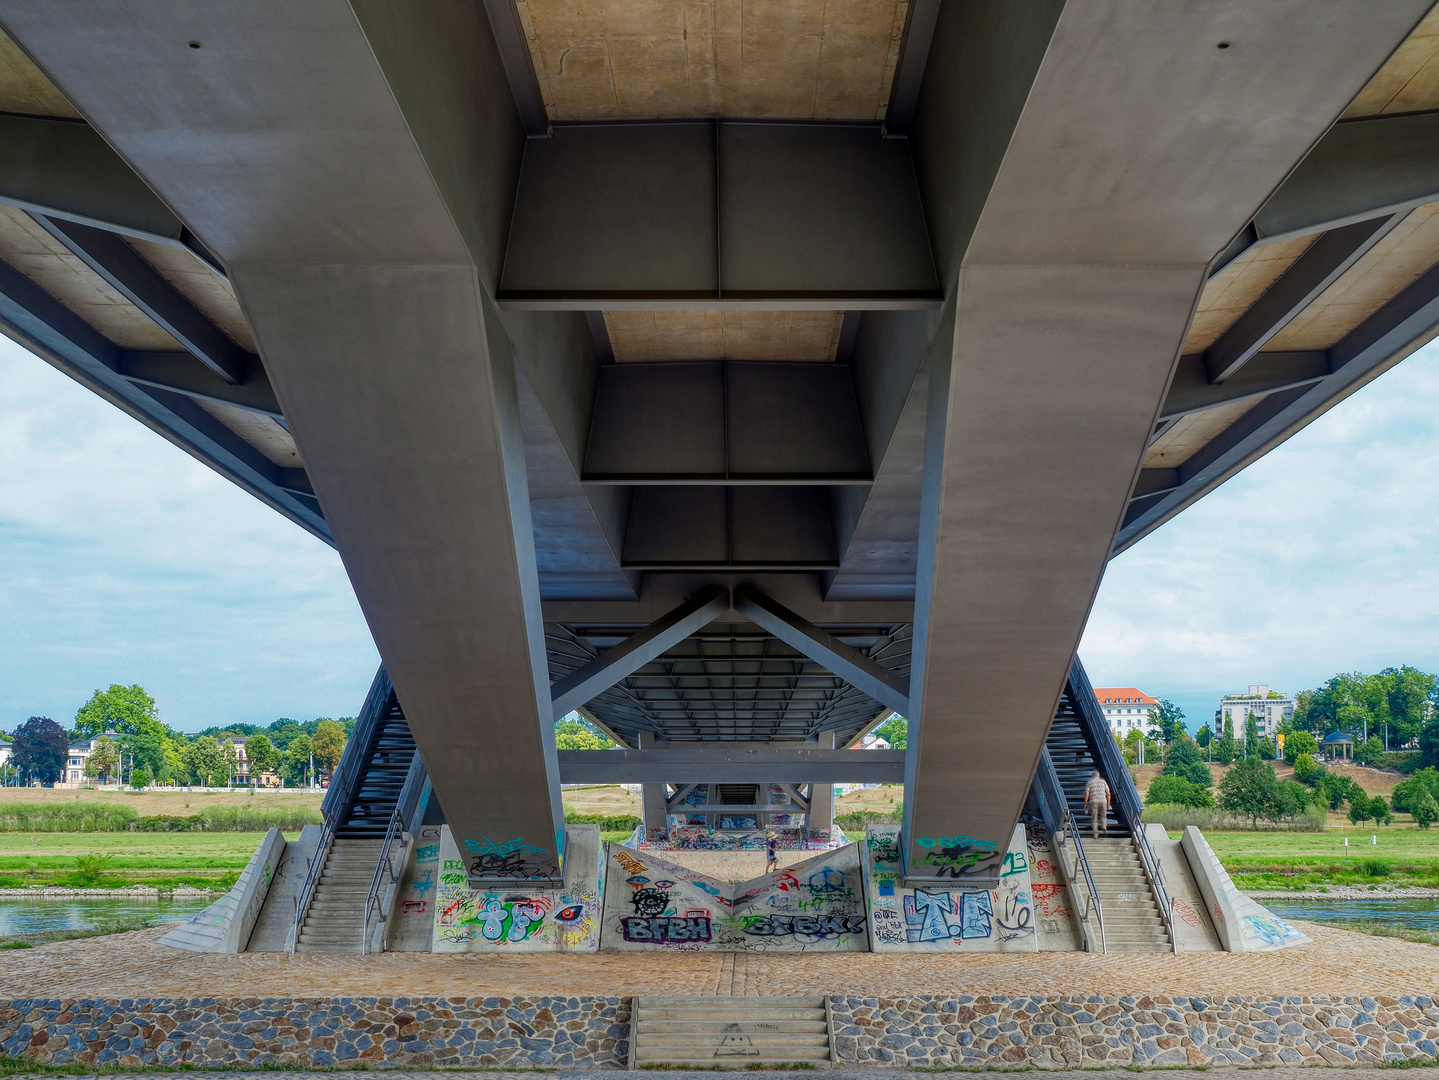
[{"x": 736, "y": 374}]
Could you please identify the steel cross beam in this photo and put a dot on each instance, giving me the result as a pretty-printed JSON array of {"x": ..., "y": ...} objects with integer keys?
[
  {"x": 140, "y": 283},
  {"x": 736, "y": 763},
  {"x": 829, "y": 652},
  {"x": 637, "y": 650},
  {"x": 1383, "y": 339},
  {"x": 1190, "y": 390},
  {"x": 1298, "y": 287}
]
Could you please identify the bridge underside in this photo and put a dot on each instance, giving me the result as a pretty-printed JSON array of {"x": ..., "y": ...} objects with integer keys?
[{"x": 745, "y": 381}]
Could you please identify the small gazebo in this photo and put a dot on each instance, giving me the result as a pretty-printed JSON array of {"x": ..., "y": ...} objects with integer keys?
[{"x": 1339, "y": 744}]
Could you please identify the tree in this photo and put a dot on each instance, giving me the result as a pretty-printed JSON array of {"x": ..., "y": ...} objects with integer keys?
[
  {"x": 1407, "y": 791},
  {"x": 204, "y": 758},
  {"x": 1379, "y": 810},
  {"x": 1250, "y": 789},
  {"x": 1183, "y": 760},
  {"x": 1425, "y": 809},
  {"x": 580, "y": 734},
  {"x": 1306, "y": 769},
  {"x": 894, "y": 731},
  {"x": 146, "y": 751},
  {"x": 1251, "y": 736},
  {"x": 1204, "y": 736},
  {"x": 295, "y": 764},
  {"x": 1300, "y": 742},
  {"x": 1358, "y": 811},
  {"x": 1177, "y": 791},
  {"x": 104, "y": 758},
  {"x": 1168, "y": 721},
  {"x": 1429, "y": 744},
  {"x": 261, "y": 754},
  {"x": 140, "y": 778},
  {"x": 329, "y": 743},
  {"x": 124, "y": 709},
  {"x": 40, "y": 749}
]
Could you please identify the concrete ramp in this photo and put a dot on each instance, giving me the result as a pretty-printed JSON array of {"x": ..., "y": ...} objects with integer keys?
[
  {"x": 411, "y": 926},
  {"x": 225, "y": 926},
  {"x": 521, "y": 919},
  {"x": 277, "y": 915},
  {"x": 1243, "y": 924},
  {"x": 948, "y": 919},
  {"x": 655, "y": 904}
]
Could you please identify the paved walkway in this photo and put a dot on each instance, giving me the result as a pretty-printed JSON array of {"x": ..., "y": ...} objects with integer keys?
[
  {"x": 1309, "y": 1073},
  {"x": 1339, "y": 962}
]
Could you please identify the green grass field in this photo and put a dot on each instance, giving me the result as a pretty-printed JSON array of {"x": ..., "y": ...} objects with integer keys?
[
  {"x": 202, "y": 859},
  {"x": 1403, "y": 855}
]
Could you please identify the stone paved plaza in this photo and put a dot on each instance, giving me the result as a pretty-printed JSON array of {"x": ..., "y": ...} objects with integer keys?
[
  {"x": 1338, "y": 962},
  {"x": 1345, "y": 999}
]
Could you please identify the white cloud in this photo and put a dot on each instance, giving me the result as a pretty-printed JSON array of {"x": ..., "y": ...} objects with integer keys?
[
  {"x": 1321, "y": 557},
  {"x": 122, "y": 559}
]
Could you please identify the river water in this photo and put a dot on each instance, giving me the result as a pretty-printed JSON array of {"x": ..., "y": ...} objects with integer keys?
[
  {"x": 86, "y": 913},
  {"x": 1420, "y": 913}
]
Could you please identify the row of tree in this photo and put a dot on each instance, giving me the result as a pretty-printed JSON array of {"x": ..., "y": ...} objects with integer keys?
[{"x": 144, "y": 751}]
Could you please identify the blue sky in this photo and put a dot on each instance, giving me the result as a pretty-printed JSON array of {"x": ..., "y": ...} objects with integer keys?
[{"x": 124, "y": 560}]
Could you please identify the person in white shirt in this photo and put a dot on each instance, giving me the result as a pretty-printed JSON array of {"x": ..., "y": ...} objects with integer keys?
[{"x": 1096, "y": 801}]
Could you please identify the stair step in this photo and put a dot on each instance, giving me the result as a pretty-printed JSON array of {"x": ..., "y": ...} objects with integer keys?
[
  {"x": 674, "y": 1012},
  {"x": 711, "y": 1040},
  {"x": 809, "y": 1027}
]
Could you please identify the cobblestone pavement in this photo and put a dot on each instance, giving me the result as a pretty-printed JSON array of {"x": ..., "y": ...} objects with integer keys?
[
  {"x": 1310, "y": 1073},
  {"x": 135, "y": 965}
]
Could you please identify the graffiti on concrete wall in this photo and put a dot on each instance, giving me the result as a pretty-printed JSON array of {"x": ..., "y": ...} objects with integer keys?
[
  {"x": 519, "y": 919},
  {"x": 815, "y": 904},
  {"x": 938, "y": 918}
]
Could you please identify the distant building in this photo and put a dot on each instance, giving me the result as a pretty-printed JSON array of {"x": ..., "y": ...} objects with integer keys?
[
  {"x": 1127, "y": 708},
  {"x": 1270, "y": 709},
  {"x": 74, "y": 775}
]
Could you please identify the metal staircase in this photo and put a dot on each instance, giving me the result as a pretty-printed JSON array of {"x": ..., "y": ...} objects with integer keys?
[
  {"x": 373, "y": 798},
  {"x": 1120, "y": 888},
  {"x": 734, "y": 1032}
]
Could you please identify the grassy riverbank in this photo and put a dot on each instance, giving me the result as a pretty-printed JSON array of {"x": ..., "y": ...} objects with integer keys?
[
  {"x": 1402, "y": 856},
  {"x": 202, "y": 860}
]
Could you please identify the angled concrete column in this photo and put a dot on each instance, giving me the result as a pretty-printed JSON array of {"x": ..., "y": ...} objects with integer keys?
[
  {"x": 652, "y": 796},
  {"x": 821, "y": 796},
  {"x": 1081, "y": 164},
  {"x": 353, "y": 166}
]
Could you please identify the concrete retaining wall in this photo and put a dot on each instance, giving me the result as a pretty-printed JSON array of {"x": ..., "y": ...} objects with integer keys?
[
  {"x": 225, "y": 925},
  {"x": 948, "y": 920},
  {"x": 652, "y": 904},
  {"x": 1243, "y": 925},
  {"x": 520, "y": 919},
  {"x": 593, "y": 1032}
]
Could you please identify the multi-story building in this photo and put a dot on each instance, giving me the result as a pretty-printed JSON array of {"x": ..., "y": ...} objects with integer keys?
[
  {"x": 1127, "y": 708},
  {"x": 74, "y": 774},
  {"x": 1270, "y": 709}
]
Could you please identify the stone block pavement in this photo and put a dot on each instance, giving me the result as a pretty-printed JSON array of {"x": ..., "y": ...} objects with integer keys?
[
  {"x": 1339, "y": 962},
  {"x": 124, "y": 1000}
]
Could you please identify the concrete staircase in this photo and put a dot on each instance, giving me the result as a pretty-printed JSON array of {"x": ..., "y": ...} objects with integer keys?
[
  {"x": 334, "y": 920},
  {"x": 728, "y": 1031},
  {"x": 1132, "y": 919}
]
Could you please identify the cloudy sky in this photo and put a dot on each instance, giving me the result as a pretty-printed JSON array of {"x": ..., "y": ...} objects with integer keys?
[{"x": 124, "y": 560}]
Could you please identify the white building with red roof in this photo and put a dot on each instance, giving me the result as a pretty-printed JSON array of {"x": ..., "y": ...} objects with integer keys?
[{"x": 1127, "y": 708}]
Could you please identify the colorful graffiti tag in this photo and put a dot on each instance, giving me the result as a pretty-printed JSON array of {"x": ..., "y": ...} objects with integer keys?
[
  {"x": 519, "y": 919},
  {"x": 815, "y": 904},
  {"x": 937, "y": 918}
]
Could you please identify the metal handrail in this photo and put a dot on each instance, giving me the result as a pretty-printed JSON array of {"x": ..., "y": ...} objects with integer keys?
[
  {"x": 1156, "y": 879},
  {"x": 312, "y": 878},
  {"x": 384, "y": 864},
  {"x": 1091, "y": 903}
]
